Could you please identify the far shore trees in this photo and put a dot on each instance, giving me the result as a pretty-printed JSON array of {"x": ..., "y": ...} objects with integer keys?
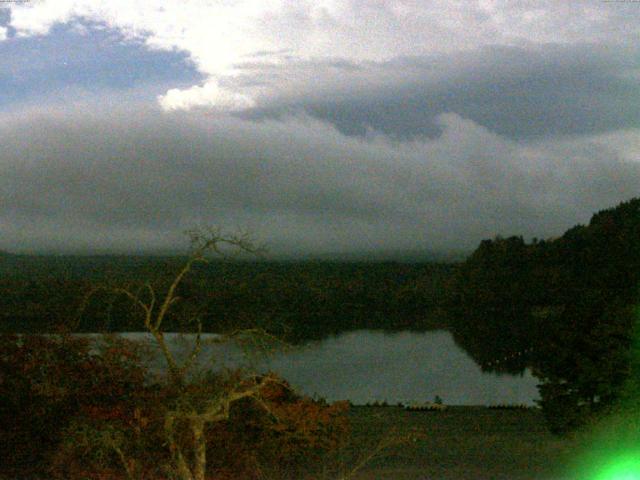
[{"x": 565, "y": 307}]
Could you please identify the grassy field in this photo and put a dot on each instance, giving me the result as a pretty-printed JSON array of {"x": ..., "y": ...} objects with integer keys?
[{"x": 460, "y": 443}]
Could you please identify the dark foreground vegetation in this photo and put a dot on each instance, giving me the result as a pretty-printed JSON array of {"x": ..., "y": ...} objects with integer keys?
[{"x": 70, "y": 412}]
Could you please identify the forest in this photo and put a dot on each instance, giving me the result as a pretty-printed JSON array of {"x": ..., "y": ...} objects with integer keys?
[
  {"x": 564, "y": 307},
  {"x": 298, "y": 300}
]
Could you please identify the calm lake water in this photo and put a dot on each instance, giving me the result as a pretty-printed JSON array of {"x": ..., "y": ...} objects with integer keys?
[{"x": 366, "y": 366}]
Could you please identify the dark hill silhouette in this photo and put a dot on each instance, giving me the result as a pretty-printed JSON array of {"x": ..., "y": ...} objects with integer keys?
[{"x": 563, "y": 307}]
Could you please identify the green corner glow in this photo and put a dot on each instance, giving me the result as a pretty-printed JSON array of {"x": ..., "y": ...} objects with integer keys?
[
  {"x": 612, "y": 448},
  {"x": 625, "y": 467}
]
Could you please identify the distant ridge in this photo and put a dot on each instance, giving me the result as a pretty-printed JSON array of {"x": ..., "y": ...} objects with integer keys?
[{"x": 400, "y": 256}]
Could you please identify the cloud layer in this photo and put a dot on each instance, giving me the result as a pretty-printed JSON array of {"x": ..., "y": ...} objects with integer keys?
[
  {"x": 222, "y": 37},
  {"x": 326, "y": 126},
  {"x": 133, "y": 179},
  {"x": 522, "y": 93}
]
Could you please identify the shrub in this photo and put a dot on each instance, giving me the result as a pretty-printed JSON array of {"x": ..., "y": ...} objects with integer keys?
[
  {"x": 295, "y": 431},
  {"x": 46, "y": 381}
]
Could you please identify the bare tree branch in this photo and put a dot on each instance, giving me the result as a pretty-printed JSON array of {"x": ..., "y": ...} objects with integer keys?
[{"x": 191, "y": 410}]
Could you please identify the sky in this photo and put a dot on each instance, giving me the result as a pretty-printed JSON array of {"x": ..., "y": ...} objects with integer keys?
[{"x": 323, "y": 127}]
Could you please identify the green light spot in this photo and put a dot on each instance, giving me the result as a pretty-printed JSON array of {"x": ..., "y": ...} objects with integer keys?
[{"x": 621, "y": 468}]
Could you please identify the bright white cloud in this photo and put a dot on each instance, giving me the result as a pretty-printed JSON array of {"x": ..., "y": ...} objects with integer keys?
[
  {"x": 219, "y": 35},
  {"x": 3, "y": 33},
  {"x": 208, "y": 95}
]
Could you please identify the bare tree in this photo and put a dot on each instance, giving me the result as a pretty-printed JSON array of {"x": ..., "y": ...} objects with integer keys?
[{"x": 195, "y": 406}]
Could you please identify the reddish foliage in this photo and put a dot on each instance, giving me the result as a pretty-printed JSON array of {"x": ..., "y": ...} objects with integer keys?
[
  {"x": 61, "y": 396},
  {"x": 45, "y": 381},
  {"x": 295, "y": 431}
]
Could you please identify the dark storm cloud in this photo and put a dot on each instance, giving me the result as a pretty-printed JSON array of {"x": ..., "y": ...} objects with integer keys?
[
  {"x": 523, "y": 93},
  {"x": 129, "y": 179}
]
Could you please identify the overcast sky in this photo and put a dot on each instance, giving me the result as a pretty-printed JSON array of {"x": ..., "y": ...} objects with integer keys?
[{"x": 321, "y": 126}]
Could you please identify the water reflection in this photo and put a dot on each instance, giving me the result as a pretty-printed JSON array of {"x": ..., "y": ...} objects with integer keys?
[{"x": 366, "y": 366}]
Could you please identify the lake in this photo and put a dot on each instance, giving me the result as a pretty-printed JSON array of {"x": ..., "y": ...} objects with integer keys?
[{"x": 365, "y": 366}]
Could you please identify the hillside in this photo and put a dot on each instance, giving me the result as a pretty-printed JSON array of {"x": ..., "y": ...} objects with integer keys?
[
  {"x": 563, "y": 307},
  {"x": 301, "y": 300}
]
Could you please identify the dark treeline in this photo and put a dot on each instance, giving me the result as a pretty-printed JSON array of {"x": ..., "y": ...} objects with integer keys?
[
  {"x": 298, "y": 300},
  {"x": 564, "y": 307}
]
